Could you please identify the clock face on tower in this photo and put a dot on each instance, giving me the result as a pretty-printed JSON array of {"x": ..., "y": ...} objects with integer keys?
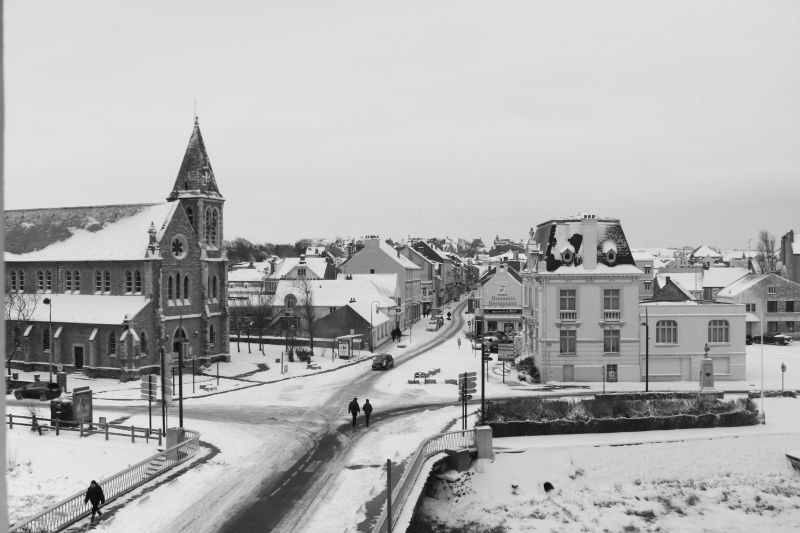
[{"x": 179, "y": 246}]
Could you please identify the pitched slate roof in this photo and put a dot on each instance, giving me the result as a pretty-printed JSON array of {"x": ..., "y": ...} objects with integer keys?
[
  {"x": 195, "y": 175},
  {"x": 723, "y": 276},
  {"x": 741, "y": 285},
  {"x": 315, "y": 265},
  {"x": 705, "y": 251},
  {"x": 105, "y": 232}
]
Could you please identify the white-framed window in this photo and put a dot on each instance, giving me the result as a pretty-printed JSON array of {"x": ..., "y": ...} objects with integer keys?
[
  {"x": 611, "y": 341},
  {"x": 106, "y": 281},
  {"x": 611, "y": 373},
  {"x": 68, "y": 281},
  {"x": 12, "y": 275},
  {"x": 771, "y": 290},
  {"x": 750, "y": 308},
  {"x": 112, "y": 344},
  {"x": 143, "y": 342},
  {"x": 40, "y": 281},
  {"x": 567, "y": 341},
  {"x": 772, "y": 306},
  {"x": 648, "y": 270},
  {"x": 48, "y": 281},
  {"x": 718, "y": 331},
  {"x": 98, "y": 281},
  {"x": 648, "y": 286},
  {"x": 666, "y": 332},
  {"x": 76, "y": 280},
  {"x": 567, "y": 304},
  {"x": 128, "y": 282},
  {"x": 290, "y": 301},
  {"x": 137, "y": 282},
  {"x": 301, "y": 272}
]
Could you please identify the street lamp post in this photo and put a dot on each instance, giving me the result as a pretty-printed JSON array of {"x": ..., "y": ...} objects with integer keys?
[
  {"x": 371, "y": 335},
  {"x": 646, "y": 351},
  {"x": 49, "y": 304}
]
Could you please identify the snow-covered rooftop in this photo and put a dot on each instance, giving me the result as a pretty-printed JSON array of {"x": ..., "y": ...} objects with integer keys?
[
  {"x": 246, "y": 275},
  {"x": 580, "y": 270},
  {"x": 705, "y": 251},
  {"x": 87, "y": 308},
  {"x": 691, "y": 281},
  {"x": 722, "y": 276},
  {"x": 109, "y": 233},
  {"x": 314, "y": 265},
  {"x": 740, "y": 285},
  {"x": 334, "y": 292},
  {"x": 386, "y": 283}
]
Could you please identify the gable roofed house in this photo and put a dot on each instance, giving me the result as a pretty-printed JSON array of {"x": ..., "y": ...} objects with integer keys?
[
  {"x": 119, "y": 279},
  {"x": 706, "y": 254},
  {"x": 377, "y": 257},
  {"x": 769, "y": 298}
]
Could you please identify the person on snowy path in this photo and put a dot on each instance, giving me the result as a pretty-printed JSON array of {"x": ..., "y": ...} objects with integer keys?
[
  {"x": 94, "y": 494},
  {"x": 367, "y": 411},
  {"x": 354, "y": 410}
]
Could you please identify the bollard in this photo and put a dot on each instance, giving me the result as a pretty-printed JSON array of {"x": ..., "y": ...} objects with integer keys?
[
  {"x": 81, "y": 428},
  {"x": 10, "y": 421},
  {"x": 133, "y": 438},
  {"x": 147, "y": 436},
  {"x": 57, "y": 426},
  {"x": 159, "y": 439},
  {"x": 106, "y": 426}
]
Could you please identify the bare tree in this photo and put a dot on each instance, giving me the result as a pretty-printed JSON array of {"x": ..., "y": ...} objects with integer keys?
[
  {"x": 305, "y": 309},
  {"x": 767, "y": 258},
  {"x": 20, "y": 307},
  {"x": 263, "y": 316}
]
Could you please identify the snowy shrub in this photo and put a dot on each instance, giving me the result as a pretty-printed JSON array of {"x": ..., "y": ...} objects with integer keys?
[{"x": 578, "y": 411}]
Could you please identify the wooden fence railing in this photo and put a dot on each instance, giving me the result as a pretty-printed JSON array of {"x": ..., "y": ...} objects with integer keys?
[{"x": 85, "y": 428}]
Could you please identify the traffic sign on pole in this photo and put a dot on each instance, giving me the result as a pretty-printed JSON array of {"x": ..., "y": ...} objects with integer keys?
[
  {"x": 462, "y": 397},
  {"x": 471, "y": 382},
  {"x": 149, "y": 387},
  {"x": 467, "y": 375}
]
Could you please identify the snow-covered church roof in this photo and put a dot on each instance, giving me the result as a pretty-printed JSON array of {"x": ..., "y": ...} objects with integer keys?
[{"x": 88, "y": 233}]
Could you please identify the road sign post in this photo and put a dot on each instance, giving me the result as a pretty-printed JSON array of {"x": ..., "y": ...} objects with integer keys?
[{"x": 148, "y": 392}]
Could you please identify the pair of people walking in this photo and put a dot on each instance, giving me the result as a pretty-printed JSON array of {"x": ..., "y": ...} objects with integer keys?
[{"x": 354, "y": 409}]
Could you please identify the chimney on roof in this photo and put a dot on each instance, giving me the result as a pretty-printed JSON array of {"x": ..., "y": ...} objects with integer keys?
[
  {"x": 151, "y": 231},
  {"x": 352, "y": 300},
  {"x": 348, "y": 276},
  {"x": 302, "y": 259},
  {"x": 589, "y": 243}
]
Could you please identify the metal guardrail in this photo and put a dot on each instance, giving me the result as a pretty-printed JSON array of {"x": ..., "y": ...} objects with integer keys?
[
  {"x": 73, "y": 508},
  {"x": 85, "y": 429},
  {"x": 452, "y": 440}
]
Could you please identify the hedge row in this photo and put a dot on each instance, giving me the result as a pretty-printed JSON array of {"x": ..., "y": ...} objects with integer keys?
[
  {"x": 658, "y": 395},
  {"x": 611, "y": 425}
]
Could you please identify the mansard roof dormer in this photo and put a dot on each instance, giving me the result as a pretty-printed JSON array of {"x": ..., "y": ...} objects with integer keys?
[{"x": 195, "y": 177}]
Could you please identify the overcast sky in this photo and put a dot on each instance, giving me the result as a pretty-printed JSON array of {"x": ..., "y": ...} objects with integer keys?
[{"x": 430, "y": 118}]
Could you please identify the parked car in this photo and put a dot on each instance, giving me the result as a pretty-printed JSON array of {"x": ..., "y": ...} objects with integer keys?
[
  {"x": 43, "y": 390},
  {"x": 774, "y": 338},
  {"x": 382, "y": 361}
]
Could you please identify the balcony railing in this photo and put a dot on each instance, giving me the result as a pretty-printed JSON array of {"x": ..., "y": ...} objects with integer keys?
[
  {"x": 612, "y": 315},
  {"x": 570, "y": 316}
]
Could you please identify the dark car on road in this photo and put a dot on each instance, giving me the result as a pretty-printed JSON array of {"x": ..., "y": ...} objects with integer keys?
[
  {"x": 774, "y": 338},
  {"x": 42, "y": 390},
  {"x": 382, "y": 361}
]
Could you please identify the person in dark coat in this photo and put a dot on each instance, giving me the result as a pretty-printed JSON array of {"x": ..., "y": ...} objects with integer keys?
[
  {"x": 367, "y": 411},
  {"x": 94, "y": 494},
  {"x": 354, "y": 409}
]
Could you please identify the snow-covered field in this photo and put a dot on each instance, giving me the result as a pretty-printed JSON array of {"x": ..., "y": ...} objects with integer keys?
[{"x": 238, "y": 449}]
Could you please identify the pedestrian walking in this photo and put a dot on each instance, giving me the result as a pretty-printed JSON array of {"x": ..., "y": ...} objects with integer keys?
[
  {"x": 94, "y": 494},
  {"x": 354, "y": 410},
  {"x": 367, "y": 410},
  {"x": 459, "y": 343}
]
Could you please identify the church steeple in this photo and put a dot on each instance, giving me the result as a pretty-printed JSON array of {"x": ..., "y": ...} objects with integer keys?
[{"x": 195, "y": 176}]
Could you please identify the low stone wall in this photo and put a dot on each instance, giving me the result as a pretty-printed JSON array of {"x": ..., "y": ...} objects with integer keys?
[{"x": 524, "y": 428}]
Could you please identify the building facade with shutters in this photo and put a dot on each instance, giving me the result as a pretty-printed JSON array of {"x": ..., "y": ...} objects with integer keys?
[{"x": 103, "y": 290}]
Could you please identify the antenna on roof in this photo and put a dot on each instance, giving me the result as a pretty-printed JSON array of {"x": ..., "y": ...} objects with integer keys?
[{"x": 195, "y": 110}]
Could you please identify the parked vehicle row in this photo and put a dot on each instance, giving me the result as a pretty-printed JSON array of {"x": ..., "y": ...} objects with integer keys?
[
  {"x": 779, "y": 339},
  {"x": 42, "y": 390}
]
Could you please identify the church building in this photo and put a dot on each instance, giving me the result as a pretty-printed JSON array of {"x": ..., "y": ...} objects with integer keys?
[{"x": 104, "y": 290}]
